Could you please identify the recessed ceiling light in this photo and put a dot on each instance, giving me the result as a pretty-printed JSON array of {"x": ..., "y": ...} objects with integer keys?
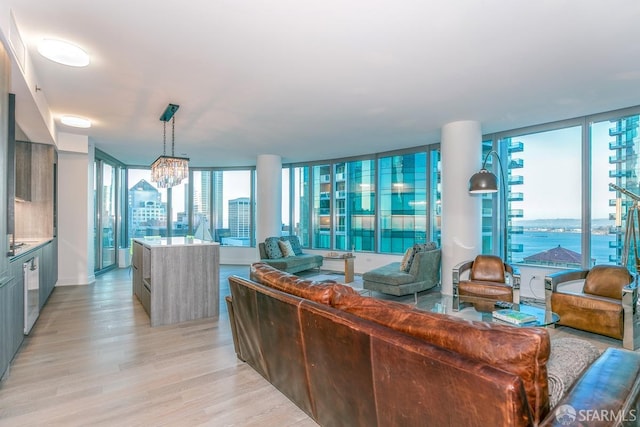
[
  {"x": 63, "y": 53},
  {"x": 76, "y": 122}
]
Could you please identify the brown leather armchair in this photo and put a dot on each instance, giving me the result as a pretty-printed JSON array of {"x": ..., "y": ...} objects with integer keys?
[
  {"x": 489, "y": 278},
  {"x": 606, "y": 305}
]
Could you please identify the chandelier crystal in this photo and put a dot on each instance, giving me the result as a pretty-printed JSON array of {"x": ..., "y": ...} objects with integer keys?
[{"x": 169, "y": 171}]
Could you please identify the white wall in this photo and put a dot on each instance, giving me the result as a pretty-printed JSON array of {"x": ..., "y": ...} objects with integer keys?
[{"x": 75, "y": 213}]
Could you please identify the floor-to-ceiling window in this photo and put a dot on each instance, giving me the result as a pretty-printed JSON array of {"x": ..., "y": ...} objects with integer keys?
[
  {"x": 285, "y": 212},
  {"x": 232, "y": 208},
  {"x": 322, "y": 206},
  {"x": 545, "y": 218},
  {"x": 378, "y": 203},
  {"x": 403, "y": 201},
  {"x": 202, "y": 206},
  {"x": 614, "y": 146},
  {"x": 435, "y": 206},
  {"x": 108, "y": 207},
  {"x": 360, "y": 207},
  {"x": 301, "y": 204}
]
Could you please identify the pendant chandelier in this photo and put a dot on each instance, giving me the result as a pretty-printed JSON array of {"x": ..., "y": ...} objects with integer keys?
[{"x": 168, "y": 171}]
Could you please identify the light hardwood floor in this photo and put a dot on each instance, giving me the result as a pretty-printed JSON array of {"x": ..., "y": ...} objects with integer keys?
[{"x": 93, "y": 359}]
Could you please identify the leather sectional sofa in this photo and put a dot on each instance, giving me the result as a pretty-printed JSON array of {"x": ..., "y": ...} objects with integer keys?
[{"x": 351, "y": 360}]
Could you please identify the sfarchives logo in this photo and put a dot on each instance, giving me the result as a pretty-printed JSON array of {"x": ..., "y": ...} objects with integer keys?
[{"x": 567, "y": 415}]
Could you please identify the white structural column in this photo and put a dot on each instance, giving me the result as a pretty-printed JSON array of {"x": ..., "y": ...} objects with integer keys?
[
  {"x": 268, "y": 196},
  {"x": 461, "y": 151},
  {"x": 75, "y": 210}
]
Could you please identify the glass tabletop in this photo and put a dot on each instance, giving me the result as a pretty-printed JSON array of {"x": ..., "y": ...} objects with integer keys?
[{"x": 481, "y": 309}]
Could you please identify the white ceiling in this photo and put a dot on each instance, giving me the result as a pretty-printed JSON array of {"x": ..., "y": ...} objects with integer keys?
[{"x": 323, "y": 79}]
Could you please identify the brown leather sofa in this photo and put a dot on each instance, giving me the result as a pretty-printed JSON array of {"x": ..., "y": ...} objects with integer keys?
[
  {"x": 605, "y": 305},
  {"x": 349, "y": 360}
]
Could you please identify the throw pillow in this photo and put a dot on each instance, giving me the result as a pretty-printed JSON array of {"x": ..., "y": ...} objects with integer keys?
[
  {"x": 405, "y": 264},
  {"x": 410, "y": 254},
  {"x": 271, "y": 248},
  {"x": 285, "y": 248},
  {"x": 295, "y": 243}
]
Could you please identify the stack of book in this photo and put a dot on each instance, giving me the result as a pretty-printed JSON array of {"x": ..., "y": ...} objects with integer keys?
[{"x": 513, "y": 316}]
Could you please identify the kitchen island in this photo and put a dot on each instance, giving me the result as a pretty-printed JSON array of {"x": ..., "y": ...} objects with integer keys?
[{"x": 176, "y": 279}]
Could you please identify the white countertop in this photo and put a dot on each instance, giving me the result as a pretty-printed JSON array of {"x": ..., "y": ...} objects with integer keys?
[{"x": 29, "y": 245}]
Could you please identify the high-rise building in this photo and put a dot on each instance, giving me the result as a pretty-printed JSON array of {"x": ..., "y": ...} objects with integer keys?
[
  {"x": 240, "y": 218},
  {"x": 624, "y": 162},
  {"x": 147, "y": 211}
]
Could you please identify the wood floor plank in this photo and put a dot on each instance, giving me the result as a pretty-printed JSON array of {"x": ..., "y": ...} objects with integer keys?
[{"x": 93, "y": 359}]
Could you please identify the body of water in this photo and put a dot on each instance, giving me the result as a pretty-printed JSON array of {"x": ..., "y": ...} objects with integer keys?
[{"x": 534, "y": 242}]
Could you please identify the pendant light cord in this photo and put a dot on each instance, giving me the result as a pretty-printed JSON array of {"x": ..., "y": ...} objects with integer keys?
[{"x": 173, "y": 136}]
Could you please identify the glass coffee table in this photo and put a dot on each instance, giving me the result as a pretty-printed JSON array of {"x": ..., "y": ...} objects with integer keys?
[{"x": 481, "y": 309}]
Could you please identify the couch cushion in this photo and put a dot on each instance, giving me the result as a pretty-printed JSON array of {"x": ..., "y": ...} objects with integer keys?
[
  {"x": 295, "y": 243},
  {"x": 607, "y": 281},
  {"x": 489, "y": 268},
  {"x": 295, "y": 262},
  {"x": 389, "y": 274},
  {"x": 409, "y": 255},
  {"x": 272, "y": 248},
  {"x": 285, "y": 248},
  {"x": 520, "y": 351},
  {"x": 323, "y": 292}
]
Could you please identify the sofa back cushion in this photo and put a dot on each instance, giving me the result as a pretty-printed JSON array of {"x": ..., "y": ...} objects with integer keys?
[
  {"x": 323, "y": 292},
  {"x": 489, "y": 268},
  {"x": 520, "y": 351},
  {"x": 272, "y": 248},
  {"x": 607, "y": 281},
  {"x": 295, "y": 243},
  {"x": 409, "y": 254},
  {"x": 285, "y": 248}
]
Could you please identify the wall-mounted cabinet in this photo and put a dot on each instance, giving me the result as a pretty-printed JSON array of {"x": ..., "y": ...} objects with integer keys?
[
  {"x": 23, "y": 153},
  {"x": 35, "y": 218}
]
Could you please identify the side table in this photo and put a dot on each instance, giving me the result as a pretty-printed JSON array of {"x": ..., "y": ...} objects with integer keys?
[{"x": 348, "y": 266}]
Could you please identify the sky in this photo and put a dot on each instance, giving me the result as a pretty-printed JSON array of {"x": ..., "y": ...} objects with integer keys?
[{"x": 552, "y": 173}]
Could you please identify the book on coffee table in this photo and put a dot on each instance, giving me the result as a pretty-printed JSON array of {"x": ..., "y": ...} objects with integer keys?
[{"x": 513, "y": 316}]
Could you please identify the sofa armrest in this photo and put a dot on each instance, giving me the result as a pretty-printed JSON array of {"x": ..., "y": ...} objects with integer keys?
[
  {"x": 262, "y": 251},
  {"x": 629, "y": 303},
  {"x": 458, "y": 270},
  {"x": 609, "y": 387},
  {"x": 232, "y": 321},
  {"x": 552, "y": 281}
]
